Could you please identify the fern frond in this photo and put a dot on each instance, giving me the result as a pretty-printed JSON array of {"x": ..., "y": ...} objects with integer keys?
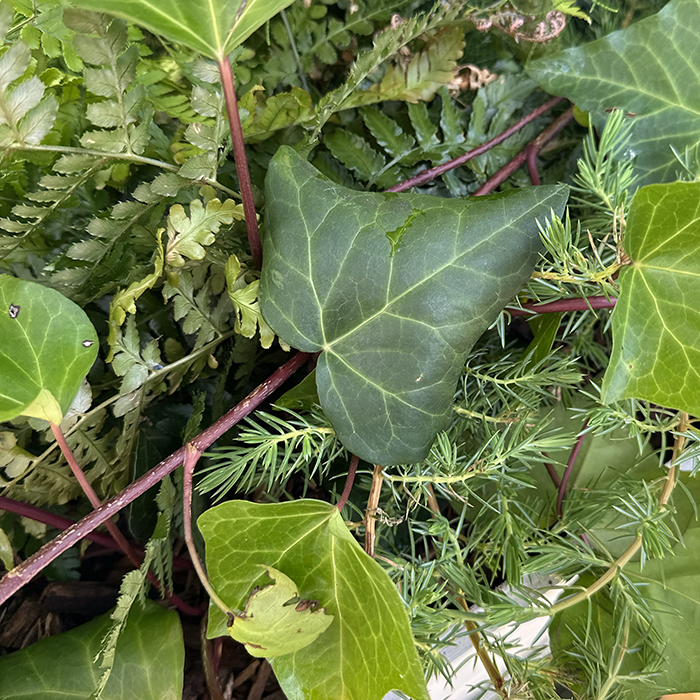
[
  {"x": 385, "y": 45},
  {"x": 199, "y": 304},
  {"x": 124, "y": 116},
  {"x": 418, "y": 77},
  {"x": 244, "y": 297},
  {"x": 135, "y": 585}
]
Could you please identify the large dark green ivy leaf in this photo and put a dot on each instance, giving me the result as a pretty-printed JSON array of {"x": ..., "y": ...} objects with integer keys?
[
  {"x": 656, "y": 323},
  {"x": 148, "y": 664},
  {"x": 368, "y": 649},
  {"x": 47, "y": 347},
  {"x": 649, "y": 70},
  {"x": 212, "y": 27},
  {"x": 393, "y": 290}
]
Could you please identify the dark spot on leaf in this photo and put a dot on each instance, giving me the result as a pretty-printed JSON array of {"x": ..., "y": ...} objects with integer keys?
[
  {"x": 231, "y": 618},
  {"x": 87, "y": 343},
  {"x": 13, "y": 311}
]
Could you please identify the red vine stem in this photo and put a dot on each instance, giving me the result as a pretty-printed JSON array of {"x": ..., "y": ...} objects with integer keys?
[
  {"x": 27, "y": 570},
  {"x": 432, "y": 173},
  {"x": 530, "y": 151},
  {"x": 532, "y": 167},
  {"x": 61, "y": 523},
  {"x": 552, "y": 473},
  {"x": 349, "y": 480},
  {"x": 569, "y": 468},
  {"x": 563, "y": 305},
  {"x": 94, "y": 499},
  {"x": 123, "y": 543},
  {"x": 234, "y": 121}
]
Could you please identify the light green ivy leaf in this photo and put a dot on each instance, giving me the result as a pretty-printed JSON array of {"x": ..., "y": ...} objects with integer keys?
[
  {"x": 212, "y": 27},
  {"x": 368, "y": 648},
  {"x": 656, "y": 323},
  {"x": 647, "y": 70},
  {"x": 48, "y": 346},
  {"x": 393, "y": 290},
  {"x": 276, "y": 620}
]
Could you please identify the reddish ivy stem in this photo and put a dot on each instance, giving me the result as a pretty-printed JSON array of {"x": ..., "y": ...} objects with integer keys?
[
  {"x": 94, "y": 499},
  {"x": 563, "y": 305},
  {"x": 569, "y": 468},
  {"x": 61, "y": 523},
  {"x": 121, "y": 541},
  {"x": 529, "y": 152},
  {"x": 552, "y": 473},
  {"x": 432, "y": 173},
  {"x": 532, "y": 167},
  {"x": 349, "y": 480},
  {"x": 234, "y": 120},
  {"x": 27, "y": 570}
]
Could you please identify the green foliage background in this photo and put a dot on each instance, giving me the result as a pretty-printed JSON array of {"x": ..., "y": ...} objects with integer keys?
[{"x": 118, "y": 189}]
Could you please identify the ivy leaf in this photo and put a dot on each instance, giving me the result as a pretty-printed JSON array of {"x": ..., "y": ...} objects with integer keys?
[
  {"x": 276, "y": 621},
  {"x": 644, "y": 70},
  {"x": 212, "y": 28},
  {"x": 48, "y": 346},
  {"x": 62, "y": 667},
  {"x": 675, "y": 580},
  {"x": 368, "y": 649},
  {"x": 656, "y": 323},
  {"x": 393, "y": 327}
]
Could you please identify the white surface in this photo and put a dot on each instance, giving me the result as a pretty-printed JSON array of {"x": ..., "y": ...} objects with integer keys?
[{"x": 471, "y": 682}]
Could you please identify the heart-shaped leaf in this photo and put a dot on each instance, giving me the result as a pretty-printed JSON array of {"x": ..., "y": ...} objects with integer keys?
[
  {"x": 656, "y": 322},
  {"x": 148, "y": 664},
  {"x": 276, "y": 620},
  {"x": 368, "y": 649},
  {"x": 48, "y": 346},
  {"x": 212, "y": 27},
  {"x": 394, "y": 290},
  {"x": 647, "y": 71}
]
